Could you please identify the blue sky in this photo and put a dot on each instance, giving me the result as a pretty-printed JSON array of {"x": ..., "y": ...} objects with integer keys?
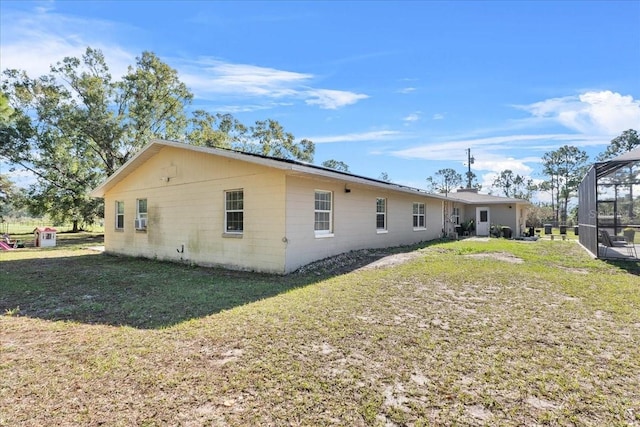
[{"x": 397, "y": 87}]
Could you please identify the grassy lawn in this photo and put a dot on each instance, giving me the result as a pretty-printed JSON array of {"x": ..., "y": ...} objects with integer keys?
[
  {"x": 26, "y": 227},
  {"x": 463, "y": 333}
]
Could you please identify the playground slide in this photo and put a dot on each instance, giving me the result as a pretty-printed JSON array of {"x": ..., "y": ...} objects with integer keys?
[{"x": 4, "y": 246}]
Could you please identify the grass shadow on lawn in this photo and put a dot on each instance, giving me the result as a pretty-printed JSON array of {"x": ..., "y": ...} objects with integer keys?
[
  {"x": 75, "y": 284},
  {"x": 103, "y": 289},
  {"x": 631, "y": 266}
]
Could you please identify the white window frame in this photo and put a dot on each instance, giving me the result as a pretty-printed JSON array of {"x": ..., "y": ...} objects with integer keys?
[
  {"x": 455, "y": 216},
  {"x": 417, "y": 216},
  {"x": 140, "y": 222},
  {"x": 119, "y": 225},
  {"x": 382, "y": 213},
  {"x": 233, "y": 210},
  {"x": 319, "y": 210}
]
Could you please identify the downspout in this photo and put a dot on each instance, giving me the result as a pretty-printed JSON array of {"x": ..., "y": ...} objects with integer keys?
[
  {"x": 445, "y": 215},
  {"x": 445, "y": 205}
]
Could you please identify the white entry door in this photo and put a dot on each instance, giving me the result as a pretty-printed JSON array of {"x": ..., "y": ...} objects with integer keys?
[{"x": 483, "y": 221}]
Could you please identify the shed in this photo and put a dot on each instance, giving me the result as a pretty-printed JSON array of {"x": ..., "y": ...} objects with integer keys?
[{"x": 44, "y": 237}]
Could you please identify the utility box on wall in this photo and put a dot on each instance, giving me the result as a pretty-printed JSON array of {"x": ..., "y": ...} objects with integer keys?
[{"x": 44, "y": 237}]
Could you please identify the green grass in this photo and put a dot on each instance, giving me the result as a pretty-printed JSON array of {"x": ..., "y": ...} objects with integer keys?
[
  {"x": 466, "y": 333},
  {"x": 27, "y": 226},
  {"x": 71, "y": 283}
]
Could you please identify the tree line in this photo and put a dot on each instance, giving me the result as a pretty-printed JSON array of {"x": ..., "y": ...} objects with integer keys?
[
  {"x": 563, "y": 170},
  {"x": 77, "y": 124}
]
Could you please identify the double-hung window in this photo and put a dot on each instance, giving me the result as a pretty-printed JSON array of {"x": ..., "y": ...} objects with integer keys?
[
  {"x": 234, "y": 211},
  {"x": 455, "y": 216},
  {"x": 119, "y": 215},
  {"x": 418, "y": 216},
  {"x": 381, "y": 214},
  {"x": 141, "y": 214},
  {"x": 323, "y": 213}
]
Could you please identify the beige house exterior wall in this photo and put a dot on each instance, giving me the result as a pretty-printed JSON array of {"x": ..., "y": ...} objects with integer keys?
[
  {"x": 501, "y": 215},
  {"x": 185, "y": 197},
  {"x": 510, "y": 215},
  {"x": 185, "y": 191},
  {"x": 354, "y": 219}
]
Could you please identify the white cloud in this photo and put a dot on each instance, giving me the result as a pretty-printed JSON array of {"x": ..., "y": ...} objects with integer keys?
[
  {"x": 413, "y": 117},
  {"x": 210, "y": 77},
  {"x": 492, "y": 154},
  {"x": 332, "y": 99},
  {"x": 406, "y": 90},
  {"x": 455, "y": 149},
  {"x": 496, "y": 164},
  {"x": 356, "y": 137},
  {"x": 34, "y": 41},
  {"x": 245, "y": 108},
  {"x": 18, "y": 175},
  {"x": 601, "y": 113},
  {"x": 438, "y": 116},
  {"x": 591, "y": 119}
]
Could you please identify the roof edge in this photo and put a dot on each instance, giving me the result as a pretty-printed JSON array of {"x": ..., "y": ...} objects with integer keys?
[
  {"x": 284, "y": 164},
  {"x": 155, "y": 145}
]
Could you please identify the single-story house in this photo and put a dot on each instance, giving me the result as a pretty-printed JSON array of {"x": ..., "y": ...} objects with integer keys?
[
  {"x": 218, "y": 207},
  {"x": 486, "y": 210}
]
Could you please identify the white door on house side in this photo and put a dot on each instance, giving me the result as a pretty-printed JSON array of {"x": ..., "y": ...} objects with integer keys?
[{"x": 482, "y": 221}]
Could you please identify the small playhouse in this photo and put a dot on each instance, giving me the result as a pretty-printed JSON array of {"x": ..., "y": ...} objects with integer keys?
[{"x": 44, "y": 237}]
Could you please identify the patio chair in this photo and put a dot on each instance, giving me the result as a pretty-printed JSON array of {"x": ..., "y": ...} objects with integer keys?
[
  {"x": 608, "y": 242},
  {"x": 629, "y": 234}
]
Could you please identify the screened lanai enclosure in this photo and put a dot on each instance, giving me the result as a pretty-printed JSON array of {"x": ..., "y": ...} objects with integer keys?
[{"x": 609, "y": 207}]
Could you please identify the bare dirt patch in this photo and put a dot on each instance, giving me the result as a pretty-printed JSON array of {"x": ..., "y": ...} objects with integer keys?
[
  {"x": 498, "y": 256},
  {"x": 364, "y": 259},
  {"x": 541, "y": 403},
  {"x": 582, "y": 271},
  {"x": 392, "y": 260}
]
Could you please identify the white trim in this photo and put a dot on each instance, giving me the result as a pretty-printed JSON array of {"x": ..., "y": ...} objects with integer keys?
[
  {"x": 454, "y": 218},
  {"x": 319, "y": 235},
  {"x": 232, "y": 235},
  {"x": 488, "y": 222},
  {"x": 140, "y": 221},
  {"x": 383, "y": 213},
  {"x": 419, "y": 215},
  {"x": 118, "y": 214},
  {"x": 328, "y": 231},
  {"x": 227, "y": 211}
]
